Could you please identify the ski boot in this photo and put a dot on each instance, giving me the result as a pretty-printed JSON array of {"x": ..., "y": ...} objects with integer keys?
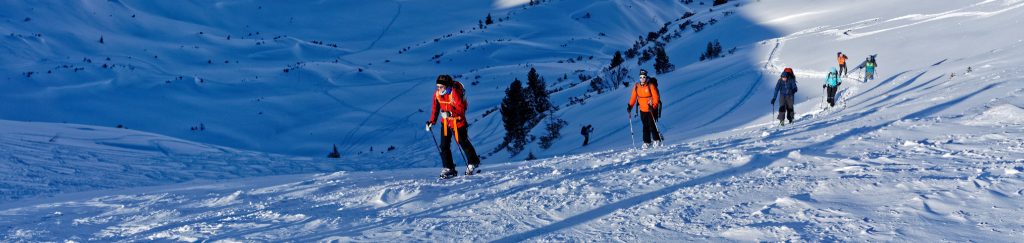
[
  {"x": 645, "y": 146},
  {"x": 447, "y": 173},
  {"x": 472, "y": 169}
]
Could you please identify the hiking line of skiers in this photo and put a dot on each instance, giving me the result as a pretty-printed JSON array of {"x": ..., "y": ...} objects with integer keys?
[
  {"x": 450, "y": 104},
  {"x": 786, "y": 87}
]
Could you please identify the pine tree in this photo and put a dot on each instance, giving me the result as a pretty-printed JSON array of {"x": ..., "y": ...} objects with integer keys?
[
  {"x": 101, "y": 39},
  {"x": 616, "y": 60},
  {"x": 661, "y": 63},
  {"x": 488, "y": 21},
  {"x": 718, "y": 48},
  {"x": 644, "y": 57},
  {"x": 334, "y": 153},
  {"x": 714, "y": 50},
  {"x": 537, "y": 94},
  {"x": 515, "y": 111}
]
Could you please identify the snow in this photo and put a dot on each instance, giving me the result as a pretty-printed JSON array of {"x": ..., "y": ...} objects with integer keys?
[
  {"x": 926, "y": 152},
  {"x": 1001, "y": 114}
]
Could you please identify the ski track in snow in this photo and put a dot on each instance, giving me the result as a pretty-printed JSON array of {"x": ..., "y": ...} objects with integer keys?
[{"x": 386, "y": 28}]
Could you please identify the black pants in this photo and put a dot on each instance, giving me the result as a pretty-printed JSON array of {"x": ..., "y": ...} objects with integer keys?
[
  {"x": 786, "y": 108},
  {"x": 650, "y": 128},
  {"x": 832, "y": 95},
  {"x": 586, "y": 139},
  {"x": 842, "y": 69},
  {"x": 446, "y": 148}
]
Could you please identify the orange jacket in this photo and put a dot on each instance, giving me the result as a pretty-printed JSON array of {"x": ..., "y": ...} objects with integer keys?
[
  {"x": 450, "y": 102},
  {"x": 644, "y": 93},
  {"x": 842, "y": 59}
]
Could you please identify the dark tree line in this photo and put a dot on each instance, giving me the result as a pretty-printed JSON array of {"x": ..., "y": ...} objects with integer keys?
[{"x": 523, "y": 108}]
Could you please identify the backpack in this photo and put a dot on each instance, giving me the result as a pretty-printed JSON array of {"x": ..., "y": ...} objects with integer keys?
[{"x": 462, "y": 91}]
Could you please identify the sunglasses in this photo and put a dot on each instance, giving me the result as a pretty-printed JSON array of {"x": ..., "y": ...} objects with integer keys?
[{"x": 643, "y": 76}]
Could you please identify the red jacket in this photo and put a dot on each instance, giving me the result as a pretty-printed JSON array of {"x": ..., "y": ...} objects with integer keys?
[{"x": 451, "y": 102}]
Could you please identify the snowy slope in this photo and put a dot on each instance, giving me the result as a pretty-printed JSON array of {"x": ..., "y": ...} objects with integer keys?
[
  {"x": 359, "y": 73},
  {"x": 926, "y": 152},
  {"x": 48, "y": 158}
]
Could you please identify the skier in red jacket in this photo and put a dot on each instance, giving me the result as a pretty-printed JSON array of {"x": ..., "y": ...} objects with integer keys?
[{"x": 449, "y": 102}]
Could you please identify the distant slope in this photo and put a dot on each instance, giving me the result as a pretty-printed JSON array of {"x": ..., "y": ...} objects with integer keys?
[
  {"x": 293, "y": 78},
  {"x": 48, "y": 158}
]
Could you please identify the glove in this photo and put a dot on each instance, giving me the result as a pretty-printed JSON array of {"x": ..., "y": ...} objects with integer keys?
[
  {"x": 445, "y": 114},
  {"x": 822, "y": 86},
  {"x": 429, "y": 125},
  {"x": 773, "y": 101},
  {"x": 629, "y": 109}
]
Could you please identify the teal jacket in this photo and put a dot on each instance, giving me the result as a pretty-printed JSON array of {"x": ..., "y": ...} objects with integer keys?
[{"x": 832, "y": 79}]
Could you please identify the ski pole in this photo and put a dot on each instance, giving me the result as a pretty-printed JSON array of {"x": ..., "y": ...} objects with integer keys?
[
  {"x": 823, "y": 98},
  {"x": 631, "y": 136},
  {"x": 436, "y": 146},
  {"x": 455, "y": 130},
  {"x": 463, "y": 152},
  {"x": 656, "y": 127}
]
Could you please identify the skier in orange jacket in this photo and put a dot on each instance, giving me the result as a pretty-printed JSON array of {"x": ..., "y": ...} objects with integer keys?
[{"x": 645, "y": 97}]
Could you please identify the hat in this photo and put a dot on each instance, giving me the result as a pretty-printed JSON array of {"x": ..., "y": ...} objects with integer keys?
[
  {"x": 445, "y": 80},
  {"x": 643, "y": 72}
]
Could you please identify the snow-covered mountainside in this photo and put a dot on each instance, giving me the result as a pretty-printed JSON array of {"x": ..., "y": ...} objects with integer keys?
[
  {"x": 931, "y": 150},
  {"x": 296, "y": 78},
  {"x": 47, "y": 158}
]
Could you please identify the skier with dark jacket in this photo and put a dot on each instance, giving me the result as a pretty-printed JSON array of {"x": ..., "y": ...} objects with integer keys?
[
  {"x": 449, "y": 102},
  {"x": 832, "y": 83},
  {"x": 785, "y": 87},
  {"x": 645, "y": 97},
  {"x": 586, "y": 131}
]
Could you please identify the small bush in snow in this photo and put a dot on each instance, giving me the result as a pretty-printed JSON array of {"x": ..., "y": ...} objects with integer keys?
[
  {"x": 554, "y": 131},
  {"x": 714, "y": 50}
]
